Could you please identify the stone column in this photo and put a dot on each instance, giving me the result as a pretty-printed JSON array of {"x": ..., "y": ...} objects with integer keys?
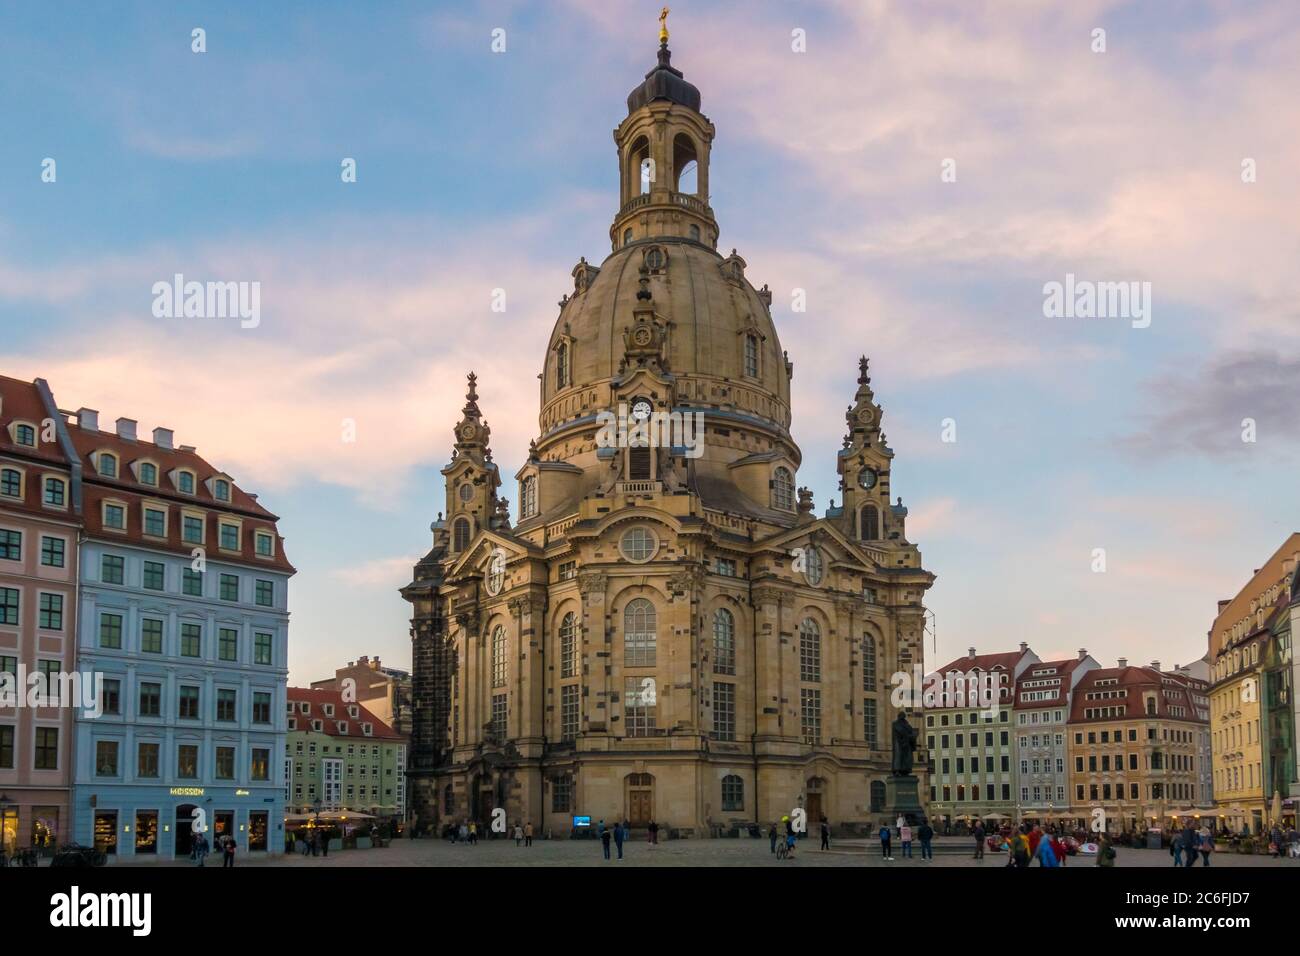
[{"x": 769, "y": 717}]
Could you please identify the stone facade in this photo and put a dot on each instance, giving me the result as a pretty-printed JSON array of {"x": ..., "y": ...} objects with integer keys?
[{"x": 667, "y": 632}]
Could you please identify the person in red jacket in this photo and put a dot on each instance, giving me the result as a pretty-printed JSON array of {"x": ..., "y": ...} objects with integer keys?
[
  {"x": 1035, "y": 835},
  {"x": 1062, "y": 851}
]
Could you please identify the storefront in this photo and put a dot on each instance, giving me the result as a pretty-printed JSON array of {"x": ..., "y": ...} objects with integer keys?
[
  {"x": 162, "y": 823},
  {"x": 32, "y": 819}
]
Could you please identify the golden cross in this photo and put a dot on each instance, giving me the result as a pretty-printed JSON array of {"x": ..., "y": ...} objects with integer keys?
[{"x": 663, "y": 25}]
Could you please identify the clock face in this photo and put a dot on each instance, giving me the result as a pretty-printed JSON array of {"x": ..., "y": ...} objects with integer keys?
[
  {"x": 641, "y": 409},
  {"x": 867, "y": 479},
  {"x": 865, "y": 416},
  {"x": 468, "y": 432},
  {"x": 641, "y": 337}
]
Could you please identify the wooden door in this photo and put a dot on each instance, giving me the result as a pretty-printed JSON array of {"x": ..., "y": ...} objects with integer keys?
[
  {"x": 639, "y": 809},
  {"x": 814, "y": 808}
]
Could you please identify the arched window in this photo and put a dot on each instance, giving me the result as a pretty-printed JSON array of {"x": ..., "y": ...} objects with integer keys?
[
  {"x": 724, "y": 642},
  {"x": 751, "y": 355},
  {"x": 448, "y": 800},
  {"x": 810, "y": 651},
  {"x": 686, "y": 165},
  {"x": 870, "y": 524},
  {"x": 783, "y": 489},
  {"x": 528, "y": 497},
  {"x": 11, "y": 483},
  {"x": 639, "y": 636},
  {"x": 868, "y": 663},
  {"x": 460, "y": 534},
  {"x": 627, "y": 236},
  {"x": 107, "y": 465},
  {"x": 499, "y": 656},
  {"x": 814, "y": 567},
  {"x": 562, "y": 365},
  {"x": 694, "y": 232},
  {"x": 878, "y": 796},
  {"x": 568, "y": 646},
  {"x": 733, "y": 792}
]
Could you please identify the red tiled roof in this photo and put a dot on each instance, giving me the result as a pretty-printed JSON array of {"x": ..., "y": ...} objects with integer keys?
[
  {"x": 986, "y": 663},
  {"x": 317, "y": 699},
  {"x": 1136, "y": 680},
  {"x": 96, "y": 487},
  {"x": 1035, "y": 672},
  {"x": 21, "y": 401}
]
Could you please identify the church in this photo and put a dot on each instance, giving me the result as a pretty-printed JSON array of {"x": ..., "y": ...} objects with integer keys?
[{"x": 667, "y": 631}]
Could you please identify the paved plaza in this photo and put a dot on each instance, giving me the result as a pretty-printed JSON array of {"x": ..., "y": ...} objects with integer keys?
[{"x": 689, "y": 853}]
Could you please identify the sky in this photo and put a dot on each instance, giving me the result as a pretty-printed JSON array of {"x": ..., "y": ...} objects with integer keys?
[{"x": 921, "y": 170}]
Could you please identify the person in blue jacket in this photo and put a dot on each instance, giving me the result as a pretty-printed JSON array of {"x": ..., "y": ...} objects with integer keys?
[{"x": 1046, "y": 855}]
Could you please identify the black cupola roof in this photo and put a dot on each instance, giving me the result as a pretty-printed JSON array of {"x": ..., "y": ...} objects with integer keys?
[{"x": 664, "y": 83}]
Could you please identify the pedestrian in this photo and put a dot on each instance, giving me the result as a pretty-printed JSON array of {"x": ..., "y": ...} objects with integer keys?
[
  {"x": 1207, "y": 845},
  {"x": 654, "y": 833},
  {"x": 1035, "y": 837},
  {"x": 229, "y": 847},
  {"x": 1020, "y": 855},
  {"x": 886, "y": 850},
  {"x": 1105, "y": 852},
  {"x": 1176, "y": 848},
  {"x": 528, "y": 833},
  {"x": 772, "y": 833},
  {"x": 1046, "y": 854},
  {"x": 905, "y": 838},
  {"x": 826, "y": 834},
  {"x": 620, "y": 834},
  {"x": 1060, "y": 849},
  {"x": 926, "y": 833},
  {"x": 979, "y": 841},
  {"x": 325, "y": 842},
  {"x": 604, "y": 838},
  {"x": 519, "y": 835},
  {"x": 463, "y": 832},
  {"x": 473, "y": 833},
  {"x": 1190, "y": 841}
]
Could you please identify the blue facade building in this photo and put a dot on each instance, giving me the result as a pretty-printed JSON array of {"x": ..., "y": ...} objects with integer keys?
[{"x": 183, "y": 617}]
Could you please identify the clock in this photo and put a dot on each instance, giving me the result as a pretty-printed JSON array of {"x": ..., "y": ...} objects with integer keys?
[
  {"x": 468, "y": 432},
  {"x": 641, "y": 409},
  {"x": 867, "y": 479},
  {"x": 642, "y": 336},
  {"x": 865, "y": 416}
]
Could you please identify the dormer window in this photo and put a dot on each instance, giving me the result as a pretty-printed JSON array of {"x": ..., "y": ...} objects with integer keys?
[
  {"x": 114, "y": 516},
  {"x": 528, "y": 497},
  {"x": 229, "y": 536},
  {"x": 316, "y": 726},
  {"x": 107, "y": 464},
  {"x": 562, "y": 365},
  {"x": 293, "y": 723},
  {"x": 221, "y": 489},
  {"x": 265, "y": 542},
  {"x": 368, "y": 729},
  {"x": 343, "y": 726},
  {"x": 25, "y": 435},
  {"x": 329, "y": 710},
  {"x": 148, "y": 473},
  {"x": 185, "y": 482},
  {"x": 55, "y": 492},
  {"x": 11, "y": 482},
  {"x": 305, "y": 707},
  {"x": 353, "y": 711}
]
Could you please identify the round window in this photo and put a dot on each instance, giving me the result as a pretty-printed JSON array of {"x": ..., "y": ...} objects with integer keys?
[
  {"x": 638, "y": 545},
  {"x": 466, "y": 491},
  {"x": 496, "y": 573}
]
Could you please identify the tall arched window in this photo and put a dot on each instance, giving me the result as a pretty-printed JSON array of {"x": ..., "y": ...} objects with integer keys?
[
  {"x": 810, "y": 651},
  {"x": 733, "y": 792},
  {"x": 639, "y": 636},
  {"x": 499, "y": 656},
  {"x": 568, "y": 646},
  {"x": 868, "y": 663},
  {"x": 460, "y": 534},
  {"x": 870, "y": 523},
  {"x": 528, "y": 497},
  {"x": 783, "y": 489},
  {"x": 562, "y": 365},
  {"x": 814, "y": 566},
  {"x": 724, "y": 642},
  {"x": 751, "y": 356}
]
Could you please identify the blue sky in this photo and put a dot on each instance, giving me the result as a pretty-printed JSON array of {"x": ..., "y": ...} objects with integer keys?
[{"x": 481, "y": 170}]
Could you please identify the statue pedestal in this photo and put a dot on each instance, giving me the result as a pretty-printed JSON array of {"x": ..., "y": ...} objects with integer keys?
[{"x": 902, "y": 799}]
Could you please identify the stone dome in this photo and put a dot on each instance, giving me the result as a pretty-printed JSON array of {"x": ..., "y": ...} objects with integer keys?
[
  {"x": 664, "y": 82},
  {"x": 718, "y": 326}
]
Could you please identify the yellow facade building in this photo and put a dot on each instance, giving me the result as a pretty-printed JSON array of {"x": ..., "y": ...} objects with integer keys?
[{"x": 1239, "y": 639}]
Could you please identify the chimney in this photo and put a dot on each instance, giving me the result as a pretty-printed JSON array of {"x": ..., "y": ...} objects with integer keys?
[
  {"x": 88, "y": 419},
  {"x": 188, "y": 448},
  {"x": 1155, "y": 666},
  {"x": 970, "y": 652},
  {"x": 1023, "y": 647},
  {"x": 126, "y": 428},
  {"x": 162, "y": 437},
  {"x": 1083, "y": 652},
  {"x": 1122, "y": 662}
]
